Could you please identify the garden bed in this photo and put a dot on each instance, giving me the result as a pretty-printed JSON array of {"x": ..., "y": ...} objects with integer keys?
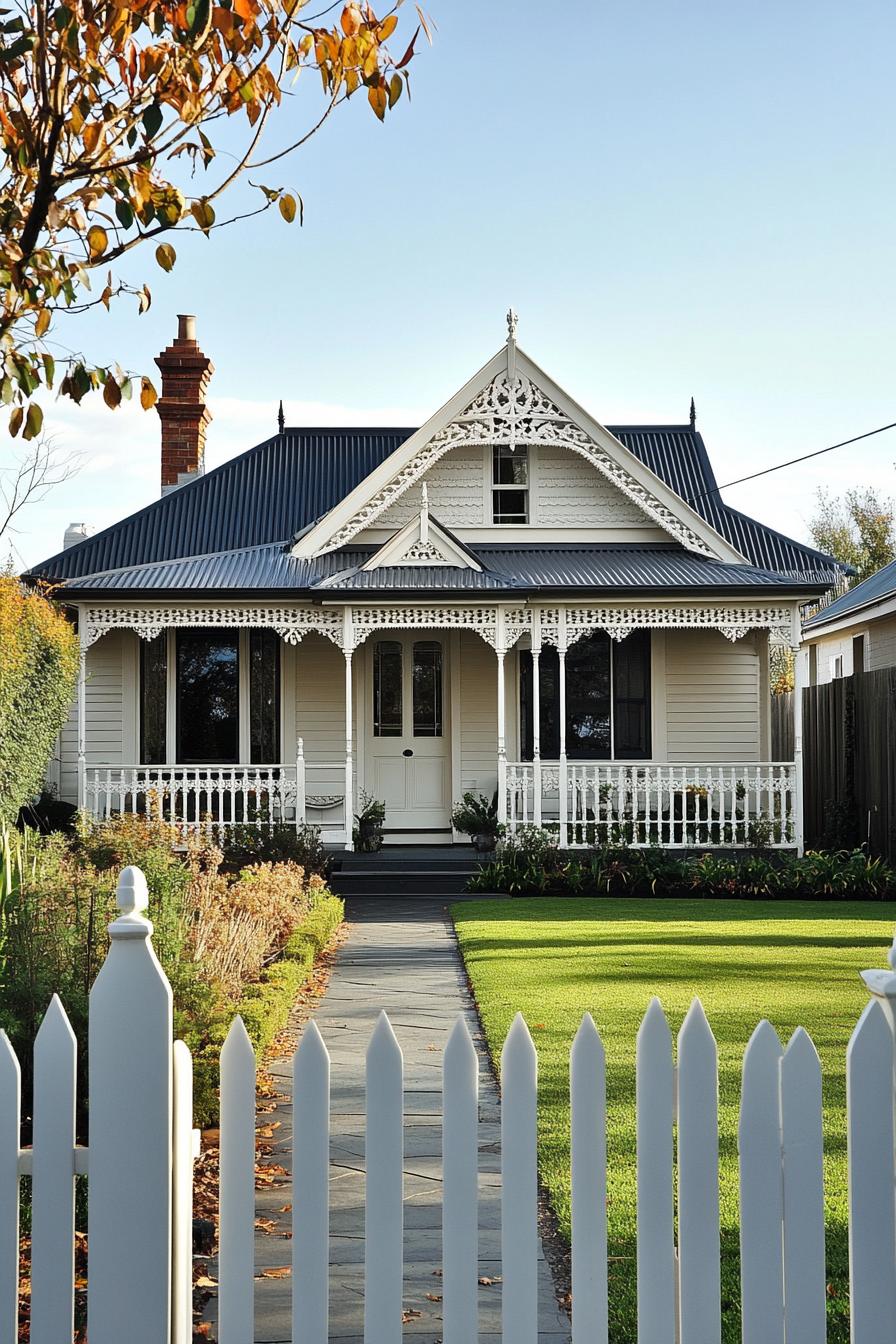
[{"x": 531, "y": 864}]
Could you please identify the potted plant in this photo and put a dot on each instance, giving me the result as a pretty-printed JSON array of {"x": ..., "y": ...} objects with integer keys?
[
  {"x": 476, "y": 817},
  {"x": 367, "y": 835}
]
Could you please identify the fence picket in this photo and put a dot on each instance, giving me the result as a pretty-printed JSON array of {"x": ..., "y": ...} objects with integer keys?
[
  {"x": 53, "y": 1177},
  {"x": 460, "y": 1235},
  {"x": 872, "y": 1214},
  {"x": 699, "y": 1268},
  {"x": 10, "y": 1133},
  {"x": 236, "y": 1238},
  {"x": 805, "y": 1284},
  {"x": 311, "y": 1189},
  {"x": 519, "y": 1186},
  {"x": 130, "y": 1089},
  {"x": 655, "y": 1093},
  {"x": 761, "y": 1190},
  {"x": 588, "y": 1156},
  {"x": 182, "y": 1206},
  {"x": 384, "y": 1218}
]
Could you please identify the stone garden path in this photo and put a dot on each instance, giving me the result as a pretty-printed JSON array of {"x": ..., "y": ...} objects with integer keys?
[{"x": 401, "y": 956}]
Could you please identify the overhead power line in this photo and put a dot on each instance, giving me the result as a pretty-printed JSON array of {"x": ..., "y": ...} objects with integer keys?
[{"x": 791, "y": 463}]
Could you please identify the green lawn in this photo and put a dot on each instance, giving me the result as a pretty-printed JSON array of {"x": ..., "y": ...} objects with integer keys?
[{"x": 795, "y": 963}]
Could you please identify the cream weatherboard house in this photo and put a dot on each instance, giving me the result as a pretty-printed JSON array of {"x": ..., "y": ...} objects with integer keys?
[{"x": 512, "y": 597}]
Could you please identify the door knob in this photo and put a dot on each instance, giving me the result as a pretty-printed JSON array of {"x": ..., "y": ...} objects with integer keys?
[{"x": 407, "y": 752}]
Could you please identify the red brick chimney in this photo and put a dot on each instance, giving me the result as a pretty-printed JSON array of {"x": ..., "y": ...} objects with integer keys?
[{"x": 186, "y": 373}]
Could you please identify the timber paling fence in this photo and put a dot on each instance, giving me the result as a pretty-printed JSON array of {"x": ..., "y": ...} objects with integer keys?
[
  {"x": 849, "y": 762},
  {"x": 140, "y": 1158}
]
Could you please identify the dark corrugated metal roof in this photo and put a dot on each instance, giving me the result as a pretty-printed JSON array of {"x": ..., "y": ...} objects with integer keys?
[
  {"x": 285, "y": 484},
  {"x": 877, "y": 588},
  {"x": 510, "y": 568}
]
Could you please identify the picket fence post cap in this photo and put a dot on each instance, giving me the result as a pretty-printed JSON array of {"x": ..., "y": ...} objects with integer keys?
[{"x": 132, "y": 898}]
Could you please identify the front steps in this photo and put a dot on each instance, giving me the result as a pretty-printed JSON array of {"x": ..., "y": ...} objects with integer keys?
[{"x": 414, "y": 871}]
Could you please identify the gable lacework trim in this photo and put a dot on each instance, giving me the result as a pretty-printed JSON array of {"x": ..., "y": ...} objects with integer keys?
[
  {"x": 515, "y": 414},
  {"x": 500, "y": 627}
]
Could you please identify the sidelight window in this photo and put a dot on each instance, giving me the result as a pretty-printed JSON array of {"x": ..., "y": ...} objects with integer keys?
[
  {"x": 387, "y": 688},
  {"x": 427, "y": 678}
]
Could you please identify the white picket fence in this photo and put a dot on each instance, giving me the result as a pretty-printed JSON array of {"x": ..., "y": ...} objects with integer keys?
[{"x": 139, "y": 1171}]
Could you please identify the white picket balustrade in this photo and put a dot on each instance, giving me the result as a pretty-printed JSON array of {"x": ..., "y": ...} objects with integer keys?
[
  {"x": 519, "y": 1186},
  {"x": 140, "y": 1162},
  {"x": 460, "y": 1180},
  {"x": 53, "y": 1179},
  {"x": 588, "y": 1161},
  {"x": 761, "y": 1190},
  {"x": 311, "y": 1189},
  {"x": 655, "y": 1111},
  {"x": 805, "y": 1282},
  {"x": 872, "y": 1179},
  {"x": 236, "y": 1232},
  {"x": 384, "y": 1212},
  {"x": 10, "y": 1138}
]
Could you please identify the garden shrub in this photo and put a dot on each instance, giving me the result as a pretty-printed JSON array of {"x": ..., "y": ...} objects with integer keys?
[
  {"x": 224, "y": 941},
  {"x": 39, "y": 657},
  {"x": 531, "y": 864},
  {"x": 277, "y": 843}
]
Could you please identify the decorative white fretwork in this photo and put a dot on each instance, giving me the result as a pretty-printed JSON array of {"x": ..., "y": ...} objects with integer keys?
[
  {"x": 425, "y": 552},
  {"x": 291, "y": 623},
  {"x": 482, "y": 621},
  {"x": 619, "y": 621},
  {"x": 513, "y": 410}
]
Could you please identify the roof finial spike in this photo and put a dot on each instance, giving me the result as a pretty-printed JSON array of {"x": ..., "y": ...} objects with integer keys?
[
  {"x": 424, "y": 513},
  {"x": 693, "y": 414},
  {"x": 281, "y": 418},
  {"x": 511, "y": 347}
]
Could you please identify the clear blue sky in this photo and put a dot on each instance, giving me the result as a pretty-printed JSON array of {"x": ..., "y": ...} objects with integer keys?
[{"x": 677, "y": 198}]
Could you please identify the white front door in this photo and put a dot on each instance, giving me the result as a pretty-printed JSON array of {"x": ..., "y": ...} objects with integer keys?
[{"x": 409, "y": 744}]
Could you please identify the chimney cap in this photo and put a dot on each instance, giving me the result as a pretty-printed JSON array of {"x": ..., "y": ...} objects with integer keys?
[{"x": 186, "y": 327}]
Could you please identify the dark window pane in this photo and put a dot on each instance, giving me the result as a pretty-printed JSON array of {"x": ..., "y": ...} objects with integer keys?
[
  {"x": 510, "y": 506},
  {"x": 153, "y": 699},
  {"x": 588, "y": 699},
  {"x": 631, "y": 696},
  {"x": 387, "y": 688},
  {"x": 510, "y": 468},
  {"x": 264, "y": 697},
  {"x": 427, "y": 689},
  {"x": 549, "y": 703},
  {"x": 208, "y": 676}
]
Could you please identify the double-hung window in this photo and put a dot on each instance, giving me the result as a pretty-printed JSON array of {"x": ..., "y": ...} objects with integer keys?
[
  {"x": 607, "y": 700},
  {"x": 210, "y": 697},
  {"x": 510, "y": 483}
]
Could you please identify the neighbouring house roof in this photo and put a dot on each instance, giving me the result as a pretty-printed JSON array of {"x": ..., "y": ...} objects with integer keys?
[
  {"x": 518, "y": 567},
  {"x": 879, "y": 587},
  {"x": 233, "y": 524}
]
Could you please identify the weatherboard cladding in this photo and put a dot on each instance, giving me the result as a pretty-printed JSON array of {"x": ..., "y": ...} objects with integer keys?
[
  {"x": 877, "y": 588},
  {"x": 285, "y": 484},
  {"x": 506, "y": 568}
]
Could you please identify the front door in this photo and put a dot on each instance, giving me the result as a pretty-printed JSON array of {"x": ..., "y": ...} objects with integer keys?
[{"x": 410, "y": 767}]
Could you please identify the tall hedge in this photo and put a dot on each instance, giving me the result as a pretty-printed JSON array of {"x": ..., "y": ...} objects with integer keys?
[{"x": 38, "y": 676}]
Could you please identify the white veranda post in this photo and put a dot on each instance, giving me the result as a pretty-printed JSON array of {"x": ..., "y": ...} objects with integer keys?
[
  {"x": 502, "y": 747},
  {"x": 82, "y": 722},
  {"x": 800, "y": 667},
  {"x": 536, "y": 734},
  {"x": 563, "y": 783},
  {"x": 349, "y": 786}
]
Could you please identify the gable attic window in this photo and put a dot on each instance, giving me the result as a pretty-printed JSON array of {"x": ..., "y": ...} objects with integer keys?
[{"x": 510, "y": 483}]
